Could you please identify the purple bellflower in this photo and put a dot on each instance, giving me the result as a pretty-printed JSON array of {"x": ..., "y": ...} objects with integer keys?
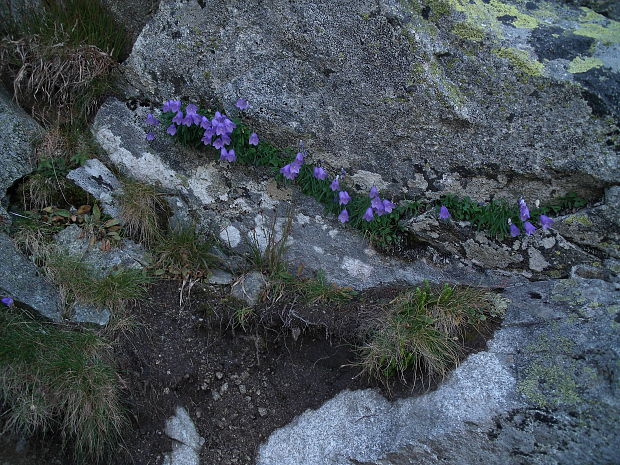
[
  {"x": 546, "y": 221},
  {"x": 225, "y": 139},
  {"x": 529, "y": 228},
  {"x": 150, "y": 119},
  {"x": 171, "y": 105},
  {"x": 228, "y": 155},
  {"x": 344, "y": 216},
  {"x": 205, "y": 123},
  {"x": 290, "y": 171},
  {"x": 368, "y": 215},
  {"x": 150, "y": 135},
  {"x": 374, "y": 192},
  {"x": 206, "y": 138},
  {"x": 344, "y": 198},
  {"x": 191, "y": 109},
  {"x": 377, "y": 205},
  {"x": 514, "y": 230},
  {"x": 8, "y": 301},
  {"x": 242, "y": 104},
  {"x": 299, "y": 159},
  {"x": 444, "y": 214},
  {"x": 388, "y": 206},
  {"x": 172, "y": 129},
  {"x": 178, "y": 118},
  {"x": 524, "y": 212},
  {"x": 253, "y": 139},
  {"x": 218, "y": 143},
  {"x": 335, "y": 185},
  {"x": 319, "y": 173}
]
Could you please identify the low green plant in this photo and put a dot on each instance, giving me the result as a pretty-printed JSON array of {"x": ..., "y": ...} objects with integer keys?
[
  {"x": 183, "y": 254},
  {"x": 56, "y": 379},
  {"x": 79, "y": 283},
  {"x": 421, "y": 330},
  {"x": 142, "y": 209},
  {"x": 493, "y": 216},
  {"x": 317, "y": 290},
  {"x": 242, "y": 317},
  {"x": 267, "y": 247}
]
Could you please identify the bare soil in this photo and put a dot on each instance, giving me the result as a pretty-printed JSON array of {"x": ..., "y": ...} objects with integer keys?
[{"x": 237, "y": 384}]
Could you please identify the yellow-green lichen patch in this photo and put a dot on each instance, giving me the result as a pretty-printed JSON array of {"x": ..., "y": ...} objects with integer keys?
[
  {"x": 583, "y": 220},
  {"x": 486, "y": 14},
  {"x": 608, "y": 32},
  {"x": 468, "y": 32},
  {"x": 548, "y": 384},
  {"x": 521, "y": 60},
  {"x": 582, "y": 64}
]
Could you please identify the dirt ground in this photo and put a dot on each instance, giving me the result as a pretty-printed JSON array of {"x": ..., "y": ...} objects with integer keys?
[{"x": 237, "y": 385}]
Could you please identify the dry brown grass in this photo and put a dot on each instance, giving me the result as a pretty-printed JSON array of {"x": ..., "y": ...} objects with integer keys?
[{"x": 55, "y": 82}]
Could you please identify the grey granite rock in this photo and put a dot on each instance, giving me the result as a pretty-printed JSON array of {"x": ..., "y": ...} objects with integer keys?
[
  {"x": 19, "y": 132},
  {"x": 413, "y": 96},
  {"x": 128, "y": 254},
  {"x": 244, "y": 213},
  {"x": 96, "y": 179},
  {"x": 544, "y": 392},
  {"x": 89, "y": 314},
  {"x": 249, "y": 287},
  {"x": 187, "y": 445},
  {"x": 220, "y": 277},
  {"x": 21, "y": 280}
]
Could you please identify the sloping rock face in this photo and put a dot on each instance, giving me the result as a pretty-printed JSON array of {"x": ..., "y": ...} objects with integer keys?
[
  {"x": 243, "y": 206},
  {"x": 545, "y": 392},
  {"x": 480, "y": 98}
]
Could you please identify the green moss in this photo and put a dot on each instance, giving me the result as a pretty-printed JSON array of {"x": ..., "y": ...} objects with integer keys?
[
  {"x": 439, "y": 9},
  {"x": 582, "y": 64},
  {"x": 365, "y": 16},
  {"x": 468, "y": 32},
  {"x": 580, "y": 219},
  {"x": 520, "y": 60}
]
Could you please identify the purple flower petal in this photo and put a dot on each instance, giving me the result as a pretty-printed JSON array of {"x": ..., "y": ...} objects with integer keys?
[
  {"x": 368, "y": 214},
  {"x": 228, "y": 155},
  {"x": 374, "y": 192},
  {"x": 524, "y": 212},
  {"x": 8, "y": 301},
  {"x": 344, "y": 198},
  {"x": 388, "y": 206},
  {"x": 299, "y": 158},
  {"x": 205, "y": 123},
  {"x": 529, "y": 228},
  {"x": 150, "y": 119},
  {"x": 344, "y": 216},
  {"x": 188, "y": 120},
  {"x": 444, "y": 214},
  {"x": 546, "y": 221},
  {"x": 514, "y": 230},
  {"x": 191, "y": 109},
  {"x": 150, "y": 135},
  {"x": 319, "y": 173},
  {"x": 377, "y": 205},
  {"x": 335, "y": 185},
  {"x": 166, "y": 106},
  {"x": 253, "y": 139},
  {"x": 178, "y": 118},
  {"x": 218, "y": 143},
  {"x": 175, "y": 105},
  {"x": 172, "y": 129},
  {"x": 242, "y": 104},
  {"x": 290, "y": 171},
  {"x": 225, "y": 139}
]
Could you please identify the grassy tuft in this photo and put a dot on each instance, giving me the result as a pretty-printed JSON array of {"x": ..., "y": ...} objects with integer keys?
[
  {"x": 183, "y": 254},
  {"x": 267, "y": 251},
  {"x": 56, "y": 378},
  {"x": 421, "y": 330},
  {"x": 142, "y": 208},
  {"x": 318, "y": 291},
  {"x": 78, "y": 282}
]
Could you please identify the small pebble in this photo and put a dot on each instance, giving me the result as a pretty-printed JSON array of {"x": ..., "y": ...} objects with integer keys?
[
  {"x": 219, "y": 374},
  {"x": 262, "y": 411}
]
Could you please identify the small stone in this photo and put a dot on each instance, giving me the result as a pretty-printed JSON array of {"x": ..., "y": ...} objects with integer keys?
[
  {"x": 242, "y": 389},
  {"x": 262, "y": 411},
  {"x": 224, "y": 388},
  {"x": 216, "y": 395},
  {"x": 219, "y": 374}
]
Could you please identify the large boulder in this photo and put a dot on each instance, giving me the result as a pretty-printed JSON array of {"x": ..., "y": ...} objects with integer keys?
[
  {"x": 545, "y": 392},
  {"x": 474, "y": 97}
]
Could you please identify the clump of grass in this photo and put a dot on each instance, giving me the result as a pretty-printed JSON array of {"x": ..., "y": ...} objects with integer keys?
[
  {"x": 79, "y": 283},
  {"x": 267, "y": 255},
  {"x": 184, "y": 254},
  {"x": 317, "y": 290},
  {"x": 52, "y": 377},
  {"x": 421, "y": 329},
  {"x": 142, "y": 208},
  {"x": 56, "y": 83}
]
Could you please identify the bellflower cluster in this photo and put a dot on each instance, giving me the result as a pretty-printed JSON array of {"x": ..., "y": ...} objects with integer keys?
[
  {"x": 217, "y": 131},
  {"x": 379, "y": 206},
  {"x": 291, "y": 170}
]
